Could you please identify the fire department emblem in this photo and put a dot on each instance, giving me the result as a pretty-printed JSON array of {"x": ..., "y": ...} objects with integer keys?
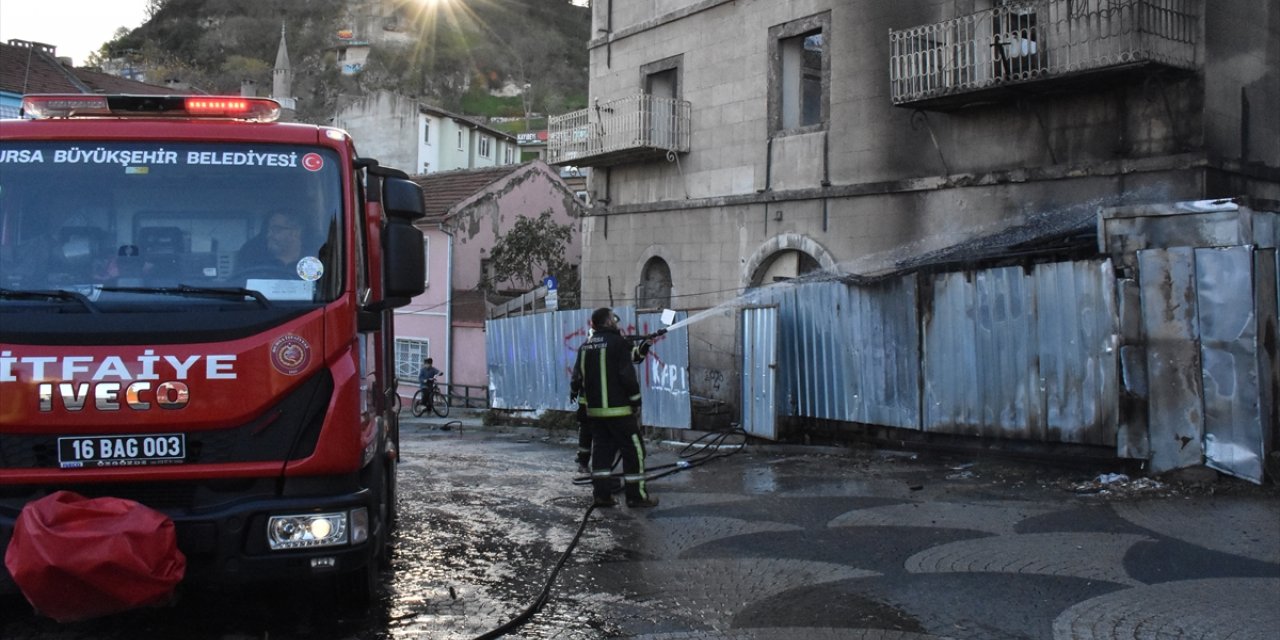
[{"x": 290, "y": 354}]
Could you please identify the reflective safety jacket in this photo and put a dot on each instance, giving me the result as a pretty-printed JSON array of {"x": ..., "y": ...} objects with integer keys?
[{"x": 605, "y": 375}]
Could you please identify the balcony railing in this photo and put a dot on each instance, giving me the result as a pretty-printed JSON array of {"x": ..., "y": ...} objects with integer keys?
[
  {"x": 631, "y": 129},
  {"x": 1030, "y": 43}
]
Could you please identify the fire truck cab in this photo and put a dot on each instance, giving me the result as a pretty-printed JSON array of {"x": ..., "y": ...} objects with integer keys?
[{"x": 196, "y": 314}]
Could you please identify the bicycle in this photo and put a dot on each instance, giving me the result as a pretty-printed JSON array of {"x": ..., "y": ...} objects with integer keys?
[{"x": 430, "y": 399}]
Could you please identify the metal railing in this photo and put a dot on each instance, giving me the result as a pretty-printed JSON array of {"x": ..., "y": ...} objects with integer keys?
[
  {"x": 467, "y": 396},
  {"x": 464, "y": 396},
  {"x": 619, "y": 130},
  {"x": 1038, "y": 40}
]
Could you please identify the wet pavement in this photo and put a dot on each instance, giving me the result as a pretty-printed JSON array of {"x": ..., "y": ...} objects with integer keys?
[
  {"x": 774, "y": 542},
  {"x": 781, "y": 542}
]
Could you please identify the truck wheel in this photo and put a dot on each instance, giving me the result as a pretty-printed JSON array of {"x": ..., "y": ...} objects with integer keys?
[
  {"x": 359, "y": 589},
  {"x": 388, "y": 516}
]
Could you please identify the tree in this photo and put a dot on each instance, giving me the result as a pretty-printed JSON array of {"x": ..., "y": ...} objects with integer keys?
[
  {"x": 534, "y": 247},
  {"x": 154, "y": 7}
]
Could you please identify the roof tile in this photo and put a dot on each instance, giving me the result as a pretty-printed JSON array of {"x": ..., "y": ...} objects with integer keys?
[
  {"x": 25, "y": 70},
  {"x": 443, "y": 190}
]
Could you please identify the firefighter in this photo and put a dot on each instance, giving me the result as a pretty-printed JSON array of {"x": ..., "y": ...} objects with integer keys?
[
  {"x": 610, "y": 389},
  {"x": 583, "y": 457},
  {"x": 584, "y": 426}
]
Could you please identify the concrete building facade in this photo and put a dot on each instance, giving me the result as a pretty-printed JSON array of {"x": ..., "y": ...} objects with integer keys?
[
  {"x": 401, "y": 132},
  {"x": 735, "y": 144}
]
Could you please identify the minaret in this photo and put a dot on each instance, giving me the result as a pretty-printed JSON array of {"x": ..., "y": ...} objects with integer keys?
[{"x": 282, "y": 80}]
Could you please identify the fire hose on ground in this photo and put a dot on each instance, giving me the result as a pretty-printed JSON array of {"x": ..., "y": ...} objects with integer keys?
[{"x": 694, "y": 454}]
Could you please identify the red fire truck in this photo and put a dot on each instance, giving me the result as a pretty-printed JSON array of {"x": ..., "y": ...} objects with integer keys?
[{"x": 196, "y": 316}]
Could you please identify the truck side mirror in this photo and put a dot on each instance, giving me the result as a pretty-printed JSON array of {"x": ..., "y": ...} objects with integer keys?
[
  {"x": 402, "y": 198},
  {"x": 404, "y": 265}
]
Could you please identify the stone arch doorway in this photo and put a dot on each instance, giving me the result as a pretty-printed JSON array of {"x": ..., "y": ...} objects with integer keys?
[
  {"x": 786, "y": 257},
  {"x": 785, "y": 265},
  {"x": 654, "y": 290}
]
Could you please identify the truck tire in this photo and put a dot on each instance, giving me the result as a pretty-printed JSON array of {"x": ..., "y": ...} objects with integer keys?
[
  {"x": 389, "y": 514},
  {"x": 357, "y": 590}
]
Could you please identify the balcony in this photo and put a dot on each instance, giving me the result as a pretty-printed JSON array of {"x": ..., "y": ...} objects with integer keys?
[
  {"x": 1037, "y": 45},
  {"x": 636, "y": 128}
]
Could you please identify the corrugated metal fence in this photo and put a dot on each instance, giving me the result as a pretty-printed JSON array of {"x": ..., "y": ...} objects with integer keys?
[
  {"x": 1009, "y": 352},
  {"x": 851, "y": 353},
  {"x": 531, "y": 357},
  {"x": 530, "y": 360}
]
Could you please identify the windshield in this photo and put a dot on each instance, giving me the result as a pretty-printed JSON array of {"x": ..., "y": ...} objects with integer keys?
[{"x": 157, "y": 224}]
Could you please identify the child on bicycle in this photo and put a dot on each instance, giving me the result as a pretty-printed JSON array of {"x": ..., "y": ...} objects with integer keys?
[{"x": 427, "y": 375}]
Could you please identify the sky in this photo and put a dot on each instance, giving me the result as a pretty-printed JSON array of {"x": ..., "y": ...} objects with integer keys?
[{"x": 76, "y": 27}]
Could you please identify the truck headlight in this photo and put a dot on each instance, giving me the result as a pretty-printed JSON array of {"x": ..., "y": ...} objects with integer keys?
[{"x": 307, "y": 530}]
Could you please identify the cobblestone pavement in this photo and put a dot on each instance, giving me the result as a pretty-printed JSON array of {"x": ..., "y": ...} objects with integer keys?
[
  {"x": 787, "y": 543},
  {"x": 780, "y": 543}
]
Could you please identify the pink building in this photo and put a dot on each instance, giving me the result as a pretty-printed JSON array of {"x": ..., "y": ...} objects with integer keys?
[{"x": 467, "y": 212}]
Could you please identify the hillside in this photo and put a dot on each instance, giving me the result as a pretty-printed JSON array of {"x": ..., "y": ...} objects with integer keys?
[{"x": 449, "y": 55}]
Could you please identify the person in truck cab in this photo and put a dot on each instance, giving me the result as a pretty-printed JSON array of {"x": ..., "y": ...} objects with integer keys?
[{"x": 276, "y": 251}]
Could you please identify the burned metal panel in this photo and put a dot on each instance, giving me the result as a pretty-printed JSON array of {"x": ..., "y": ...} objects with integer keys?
[
  {"x": 1175, "y": 410},
  {"x": 1132, "y": 436},
  {"x": 950, "y": 401},
  {"x": 530, "y": 359},
  {"x": 1123, "y": 231},
  {"x": 979, "y": 369},
  {"x": 1233, "y": 396},
  {"x": 1076, "y": 333},
  {"x": 759, "y": 366},
  {"x": 1268, "y": 305},
  {"x": 850, "y": 353},
  {"x": 884, "y": 336},
  {"x": 664, "y": 375},
  {"x": 806, "y": 378}
]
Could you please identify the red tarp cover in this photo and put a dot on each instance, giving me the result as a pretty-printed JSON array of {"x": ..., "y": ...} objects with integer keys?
[{"x": 76, "y": 558}]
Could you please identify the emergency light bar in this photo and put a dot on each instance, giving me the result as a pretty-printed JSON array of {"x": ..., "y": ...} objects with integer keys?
[{"x": 74, "y": 105}]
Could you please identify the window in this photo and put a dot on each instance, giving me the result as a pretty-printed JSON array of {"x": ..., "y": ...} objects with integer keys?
[
  {"x": 799, "y": 80},
  {"x": 426, "y": 131},
  {"x": 459, "y": 141},
  {"x": 410, "y": 352},
  {"x": 655, "y": 285},
  {"x": 661, "y": 85},
  {"x": 484, "y": 146},
  {"x": 214, "y": 228}
]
